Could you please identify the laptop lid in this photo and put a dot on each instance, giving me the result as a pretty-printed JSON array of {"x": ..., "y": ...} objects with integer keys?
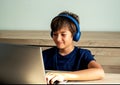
[{"x": 20, "y": 64}]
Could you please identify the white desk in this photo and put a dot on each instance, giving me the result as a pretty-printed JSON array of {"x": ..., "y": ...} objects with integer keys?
[{"x": 110, "y": 78}]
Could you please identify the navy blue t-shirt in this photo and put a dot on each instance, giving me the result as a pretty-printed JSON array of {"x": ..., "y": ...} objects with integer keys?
[{"x": 78, "y": 59}]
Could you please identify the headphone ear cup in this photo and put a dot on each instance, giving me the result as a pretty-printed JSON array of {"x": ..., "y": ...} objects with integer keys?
[{"x": 77, "y": 35}]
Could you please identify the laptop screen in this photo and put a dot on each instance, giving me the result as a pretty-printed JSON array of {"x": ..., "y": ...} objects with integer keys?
[{"x": 21, "y": 64}]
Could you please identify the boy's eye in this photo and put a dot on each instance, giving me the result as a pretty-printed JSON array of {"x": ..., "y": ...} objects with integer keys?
[
  {"x": 63, "y": 34},
  {"x": 54, "y": 34}
]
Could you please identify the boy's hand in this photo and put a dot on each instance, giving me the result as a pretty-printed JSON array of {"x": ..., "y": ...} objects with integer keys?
[{"x": 52, "y": 78}]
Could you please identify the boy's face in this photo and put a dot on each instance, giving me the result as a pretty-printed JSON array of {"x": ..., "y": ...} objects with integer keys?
[{"x": 63, "y": 38}]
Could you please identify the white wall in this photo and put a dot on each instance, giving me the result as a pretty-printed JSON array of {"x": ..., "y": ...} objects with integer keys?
[{"x": 95, "y": 15}]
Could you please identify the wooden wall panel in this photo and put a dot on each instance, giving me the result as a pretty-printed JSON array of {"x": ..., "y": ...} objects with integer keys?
[{"x": 91, "y": 39}]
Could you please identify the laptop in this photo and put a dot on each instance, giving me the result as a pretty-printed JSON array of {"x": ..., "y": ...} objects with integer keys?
[{"x": 21, "y": 64}]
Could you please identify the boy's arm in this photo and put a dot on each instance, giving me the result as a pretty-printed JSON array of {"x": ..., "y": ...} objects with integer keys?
[{"x": 94, "y": 72}]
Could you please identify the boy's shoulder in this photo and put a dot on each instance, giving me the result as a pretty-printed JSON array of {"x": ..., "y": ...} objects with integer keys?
[{"x": 82, "y": 49}]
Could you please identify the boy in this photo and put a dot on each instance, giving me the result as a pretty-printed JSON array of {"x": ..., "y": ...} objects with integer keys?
[{"x": 79, "y": 63}]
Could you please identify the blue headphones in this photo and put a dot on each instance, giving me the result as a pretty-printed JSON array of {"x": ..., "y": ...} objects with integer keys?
[{"x": 77, "y": 35}]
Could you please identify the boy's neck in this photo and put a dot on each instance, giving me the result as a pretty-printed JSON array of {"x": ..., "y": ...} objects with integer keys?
[{"x": 66, "y": 51}]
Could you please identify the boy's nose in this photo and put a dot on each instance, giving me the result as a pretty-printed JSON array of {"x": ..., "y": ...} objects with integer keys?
[{"x": 58, "y": 38}]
